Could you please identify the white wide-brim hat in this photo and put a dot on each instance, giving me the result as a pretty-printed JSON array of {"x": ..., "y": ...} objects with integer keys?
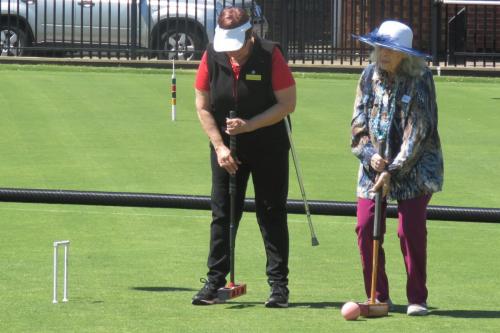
[
  {"x": 393, "y": 35},
  {"x": 227, "y": 40}
]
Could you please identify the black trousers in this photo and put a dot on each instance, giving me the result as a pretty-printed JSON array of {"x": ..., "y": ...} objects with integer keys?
[{"x": 269, "y": 172}]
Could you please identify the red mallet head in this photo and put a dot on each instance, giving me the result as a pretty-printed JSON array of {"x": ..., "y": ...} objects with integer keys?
[
  {"x": 350, "y": 311},
  {"x": 231, "y": 291}
]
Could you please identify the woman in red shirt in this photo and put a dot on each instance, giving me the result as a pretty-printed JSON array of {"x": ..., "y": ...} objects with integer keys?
[{"x": 242, "y": 73}]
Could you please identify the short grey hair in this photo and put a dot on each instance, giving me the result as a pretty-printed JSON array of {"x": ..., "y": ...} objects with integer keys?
[{"x": 410, "y": 66}]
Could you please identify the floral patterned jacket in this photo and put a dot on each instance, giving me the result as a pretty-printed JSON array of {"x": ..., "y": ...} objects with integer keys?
[{"x": 402, "y": 116}]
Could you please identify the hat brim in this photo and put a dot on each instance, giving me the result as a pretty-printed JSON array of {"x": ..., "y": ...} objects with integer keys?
[
  {"x": 373, "y": 41},
  {"x": 227, "y": 40}
]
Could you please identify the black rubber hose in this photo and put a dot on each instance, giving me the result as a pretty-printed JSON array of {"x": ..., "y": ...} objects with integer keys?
[{"x": 338, "y": 208}]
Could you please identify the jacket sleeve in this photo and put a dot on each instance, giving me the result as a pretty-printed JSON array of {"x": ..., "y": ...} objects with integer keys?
[
  {"x": 361, "y": 145},
  {"x": 421, "y": 123}
]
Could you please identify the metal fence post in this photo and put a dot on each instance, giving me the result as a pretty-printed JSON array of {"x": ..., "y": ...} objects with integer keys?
[
  {"x": 372, "y": 15},
  {"x": 284, "y": 28},
  {"x": 133, "y": 29},
  {"x": 436, "y": 30}
]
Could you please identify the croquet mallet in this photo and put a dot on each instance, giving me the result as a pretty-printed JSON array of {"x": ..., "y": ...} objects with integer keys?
[
  {"x": 372, "y": 308},
  {"x": 232, "y": 290}
]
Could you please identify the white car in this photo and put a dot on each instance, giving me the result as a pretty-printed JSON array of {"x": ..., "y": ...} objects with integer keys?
[{"x": 163, "y": 28}]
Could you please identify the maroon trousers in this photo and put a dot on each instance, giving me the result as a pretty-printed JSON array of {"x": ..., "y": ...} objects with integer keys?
[{"x": 412, "y": 233}]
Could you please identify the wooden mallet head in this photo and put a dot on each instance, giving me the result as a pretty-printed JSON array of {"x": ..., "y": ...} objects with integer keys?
[{"x": 373, "y": 309}]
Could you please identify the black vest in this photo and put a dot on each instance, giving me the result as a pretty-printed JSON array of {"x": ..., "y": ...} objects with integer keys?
[{"x": 250, "y": 95}]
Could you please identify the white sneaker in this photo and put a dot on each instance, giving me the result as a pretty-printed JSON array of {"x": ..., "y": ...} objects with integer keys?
[{"x": 417, "y": 310}]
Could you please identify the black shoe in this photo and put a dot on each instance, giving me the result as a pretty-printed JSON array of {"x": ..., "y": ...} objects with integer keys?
[
  {"x": 278, "y": 297},
  {"x": 207, "y": 295}
]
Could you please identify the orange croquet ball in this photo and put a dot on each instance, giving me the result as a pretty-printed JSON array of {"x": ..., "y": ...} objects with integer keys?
[{"x": 350, "y": 311}]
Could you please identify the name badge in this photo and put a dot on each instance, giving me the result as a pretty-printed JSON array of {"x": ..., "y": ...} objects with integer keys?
[
  {"x": 406, "y": 99},
  {"x": 253, "y": 77}
]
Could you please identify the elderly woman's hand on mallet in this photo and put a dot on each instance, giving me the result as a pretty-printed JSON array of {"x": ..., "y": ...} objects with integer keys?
[{"x": 383, "y": 181}]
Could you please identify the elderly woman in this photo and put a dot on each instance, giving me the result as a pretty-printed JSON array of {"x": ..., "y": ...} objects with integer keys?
[{"x": 395, "y": 137}]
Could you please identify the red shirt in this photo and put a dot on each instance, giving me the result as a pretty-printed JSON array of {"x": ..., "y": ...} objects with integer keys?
[{"x": 281, "y": 75}]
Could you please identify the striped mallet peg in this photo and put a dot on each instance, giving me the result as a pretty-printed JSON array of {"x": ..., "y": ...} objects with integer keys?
[{"x": 174, "y": 91}]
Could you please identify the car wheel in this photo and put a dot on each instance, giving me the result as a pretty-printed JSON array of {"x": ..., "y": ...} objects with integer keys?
[
  {"x": 12, "y": 41},
  {"x": 180, "y": 45}
]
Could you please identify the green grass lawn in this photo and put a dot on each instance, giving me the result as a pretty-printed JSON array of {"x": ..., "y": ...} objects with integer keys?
[{"x": 135, "y": 269}]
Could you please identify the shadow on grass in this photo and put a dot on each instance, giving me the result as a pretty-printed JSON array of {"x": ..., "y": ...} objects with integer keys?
[
  {"x": 466, "y": 313},
  {"x": 398, "y": 308},
  {"x": 162, "y": 289},
  {"x": 234, "y": 305},
  {"x": 453, "y": 313},
  {"x": 317, "y": 305}
]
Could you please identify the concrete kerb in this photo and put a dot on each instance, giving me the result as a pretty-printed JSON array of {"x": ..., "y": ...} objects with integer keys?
[{"x": 295, "y": 67}]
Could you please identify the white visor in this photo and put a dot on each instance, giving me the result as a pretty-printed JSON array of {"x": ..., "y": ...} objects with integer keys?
[{"x": 227, "y": 40}]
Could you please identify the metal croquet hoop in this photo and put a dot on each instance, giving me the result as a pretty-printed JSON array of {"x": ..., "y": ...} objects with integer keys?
[{"x": 57, "y": 244}]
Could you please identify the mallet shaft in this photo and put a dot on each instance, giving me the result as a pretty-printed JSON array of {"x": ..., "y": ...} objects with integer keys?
[
  {"x": 232, "y": 213},
  {"x": 314, "y": 239}
]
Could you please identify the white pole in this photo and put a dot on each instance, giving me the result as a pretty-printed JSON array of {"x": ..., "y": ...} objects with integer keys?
[
  {"x": 54, "y": 300},
  {"x": 66, "y": 257}
]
